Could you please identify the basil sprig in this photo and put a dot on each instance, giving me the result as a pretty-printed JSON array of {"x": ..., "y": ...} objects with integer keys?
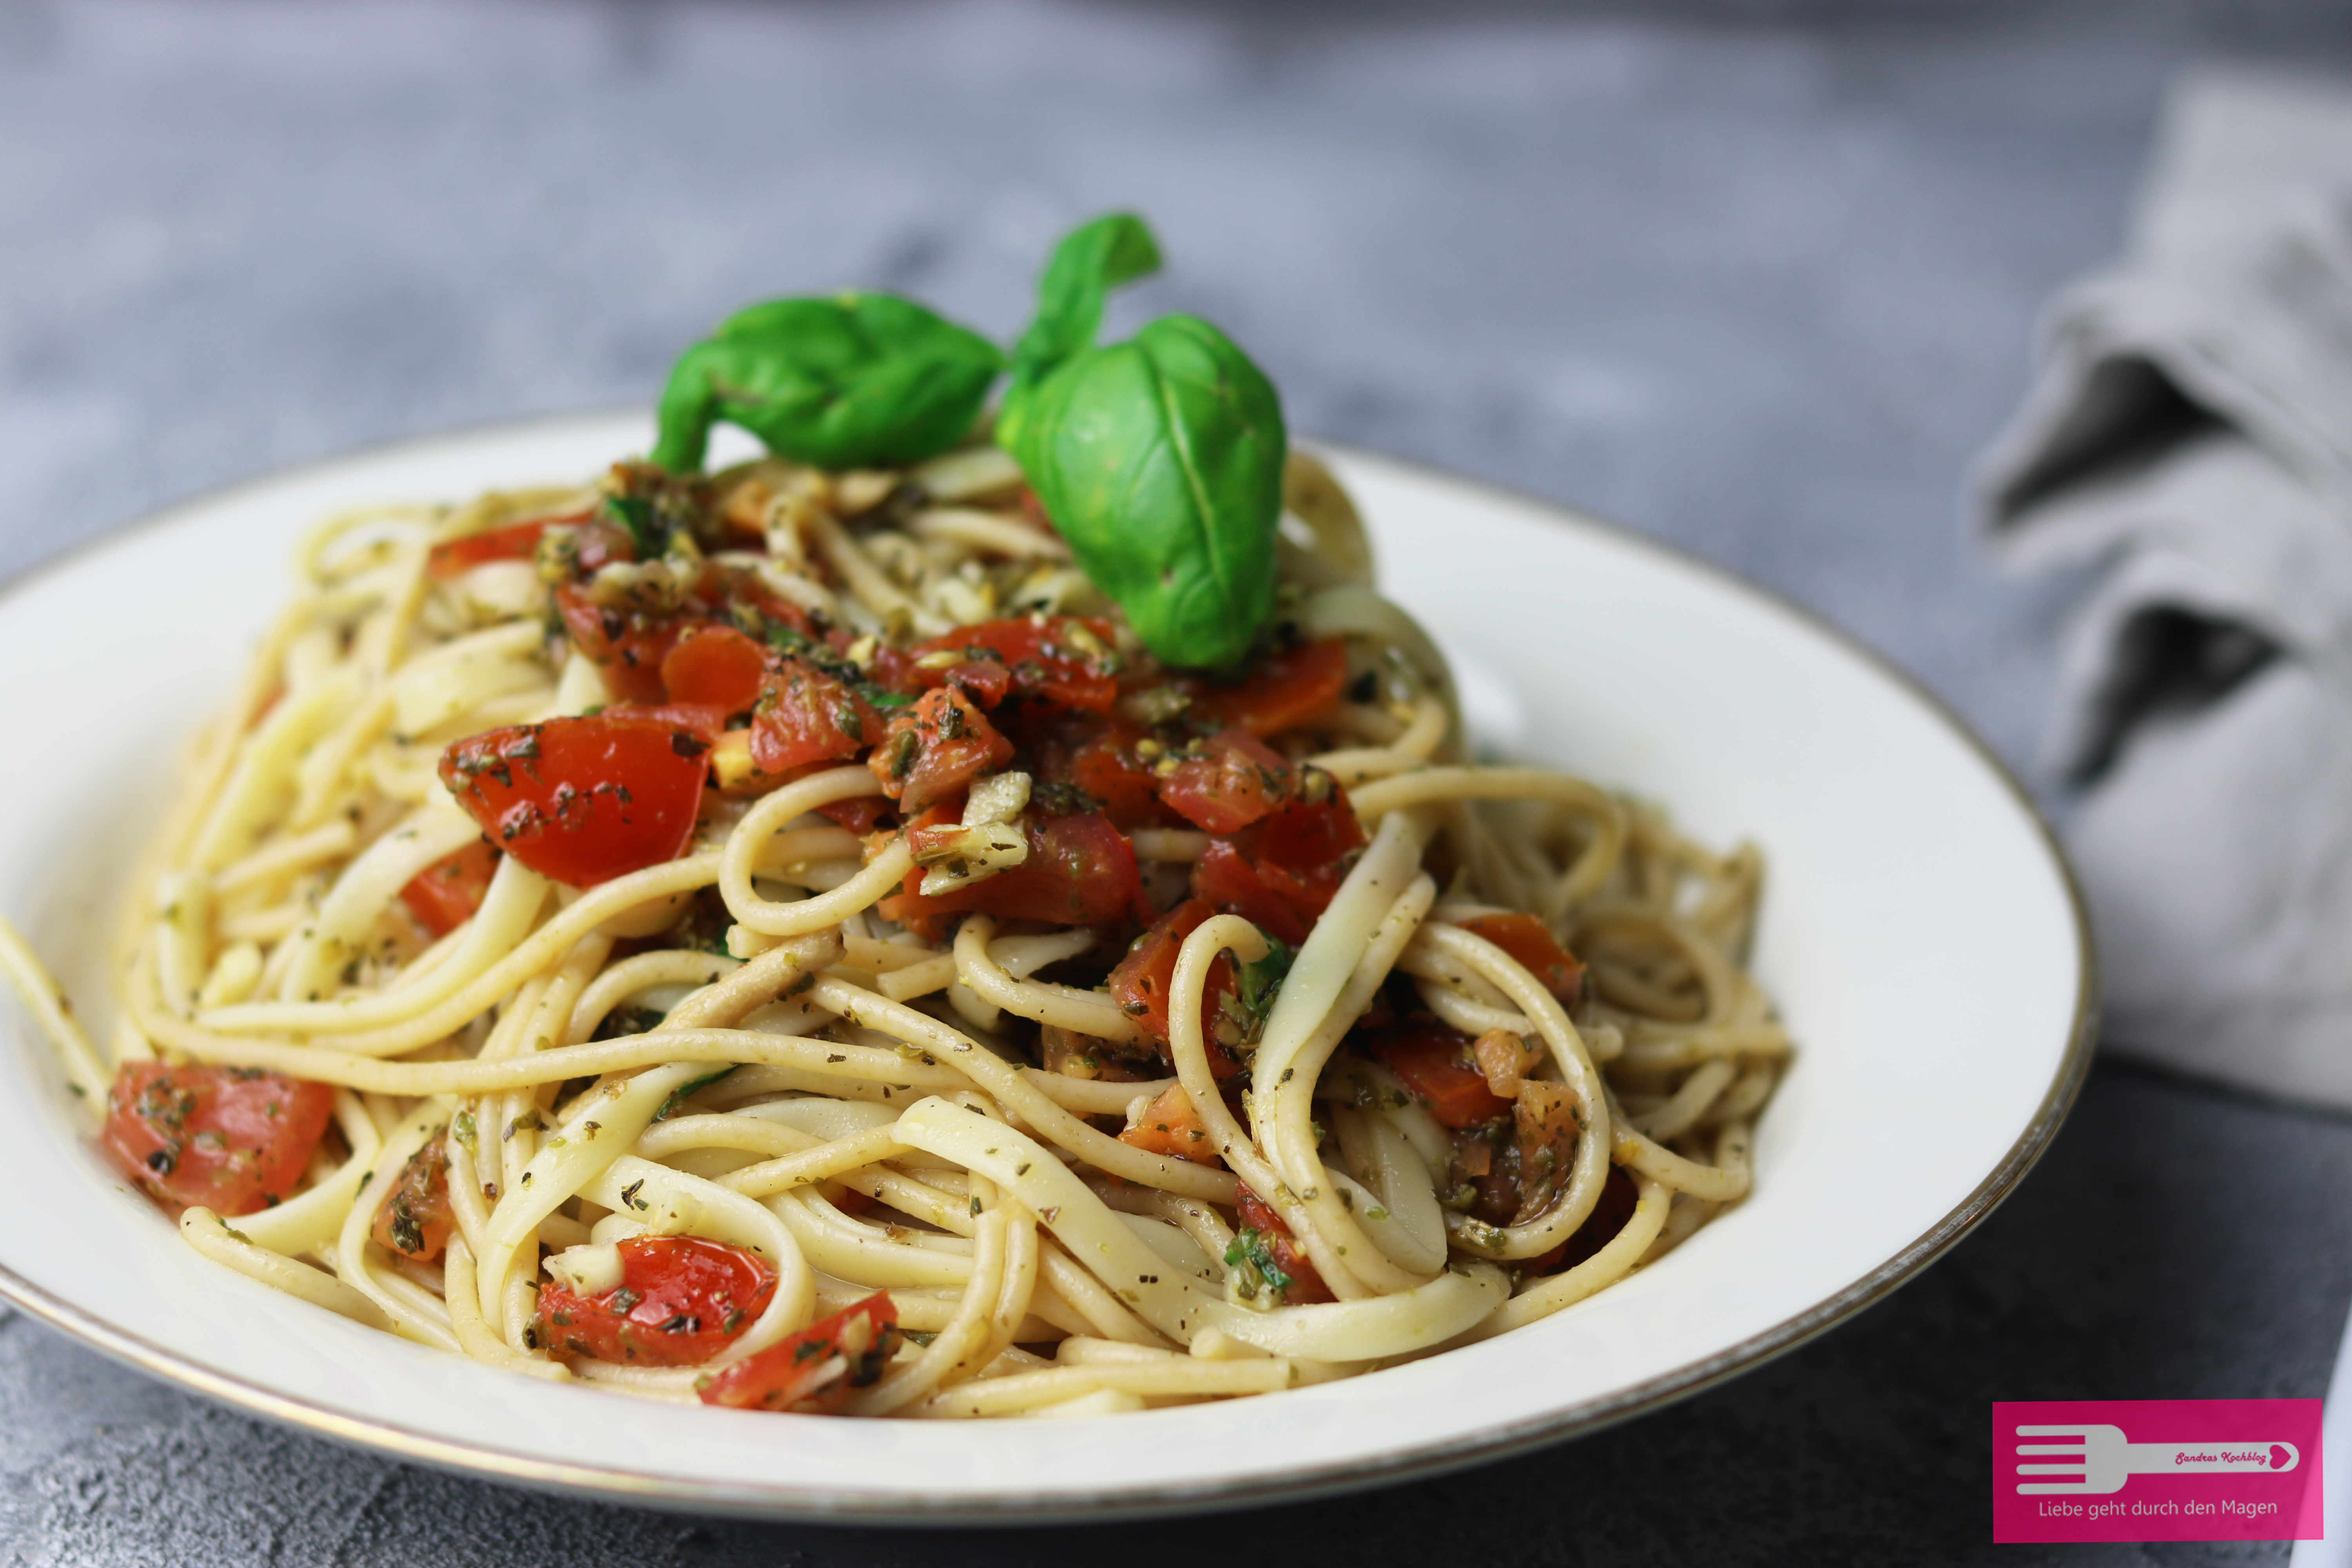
[
  {"x": 848, "y": 382},
  {"x": 1158, "y": 459}
]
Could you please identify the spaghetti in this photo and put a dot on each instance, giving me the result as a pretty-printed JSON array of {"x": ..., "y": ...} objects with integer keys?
[{"x": 806, "y": 953}]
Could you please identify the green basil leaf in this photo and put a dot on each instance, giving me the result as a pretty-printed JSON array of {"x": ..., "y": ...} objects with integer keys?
[
  {"x": 1160, "y": 460},
  {"x": 848, "y": 382},
  {"x": 1091, "y": 262}
]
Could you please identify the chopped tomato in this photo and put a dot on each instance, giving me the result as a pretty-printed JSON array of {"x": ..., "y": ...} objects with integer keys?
[
  {"x": 1099, "y": 762},
  {"x": 1265, "y": 1244},
  {"x": 1142, "y": 982},
  {"x": 1063, "y": 661},
  {"x": 812, "y": 1372},
  {"x": 1171, "y": 1125},
  {"x": 858, "y": 816},
  {"x": 1435, "y": 1063},
  {"x": 444, "y": 895},
  {"x": 1224, "y": 877},
  {"x": 681, "y": 1300},
  {"x": 1304, "y": 851},
  {"x": 804, "y": 715},
  {"x": 1528, "y": 941},
  {"x": 704, "y": 722},
  {"x": 1081, "y": 871},
  {"x": 234, "y": 1139},
  {"x": 628, "y": 646},
  {"x": 937, "y": 747},
  {"x": 715, "y": 667},
  {"x": 1231, "y": 782},
  {"x": 415, "y": 1219},
  {"x": 515, "y": 542},
  {"x": 582, "y": 800},
  {"x": 1281, "y": 691}
]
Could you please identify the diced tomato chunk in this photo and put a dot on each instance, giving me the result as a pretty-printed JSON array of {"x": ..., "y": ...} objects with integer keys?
[
  {"x": 1142, "y": 982},
  {"x": 416, "y": 1218},
  {"x": 582, "y": 800},
  {"x": 1265, "y": 1240},
  {"x": 715, "y": 667},
  {"x": 234, "y": 1140},
  {"x": 858, "y": 816},
  {"x": 815, "y": 1371},
  {"x": 515, "y": 542},
  {"x": 1099, "y": 762},
  {"x": 1224, "y": 877},
  {"x": 1171, "y": 1125},
  {"x": 1304, "y": 851},
  {"x": 627, "y": 647},
  {"x": 803, "y": 714},
  {"x": 1280, "y": 693},
  {"x": 935, "y": 749},
  {"x": 1065, "y": 662},
  {"x": 1081, "y": 871},
  {"x": 444, "y": 895},
  {"x": 1530, "y": 941},
  {"x": 1435, "y": 1063},
  {"x": 681, "y": 1300},
  {"x": 1233, "y": 781}
]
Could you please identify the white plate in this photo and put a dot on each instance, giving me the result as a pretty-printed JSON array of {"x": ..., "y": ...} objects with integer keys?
[{"x": 1920, "y": 934}]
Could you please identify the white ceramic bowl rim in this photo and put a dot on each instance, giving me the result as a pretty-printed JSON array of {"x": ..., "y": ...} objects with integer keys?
[{"x": 1456, "y": 1442}]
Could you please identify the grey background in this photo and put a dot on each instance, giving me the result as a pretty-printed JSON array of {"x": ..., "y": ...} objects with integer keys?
[{"x": 1756, "y": 277}]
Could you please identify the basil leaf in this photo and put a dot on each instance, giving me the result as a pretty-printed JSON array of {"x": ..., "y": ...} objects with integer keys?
[
  {"x": 1091, "y": 262},
  {"x": 848, "y": 382},
  {"x": 1160, "y": 460}
]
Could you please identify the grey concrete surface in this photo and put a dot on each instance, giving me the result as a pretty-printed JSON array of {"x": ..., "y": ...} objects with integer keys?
[{"x": 1756, "y": 277}]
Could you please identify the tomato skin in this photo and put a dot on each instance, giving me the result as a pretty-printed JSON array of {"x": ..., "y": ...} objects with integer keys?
[
  {"x": 715, "y": 667},
  {"x": 582, "y": 800},
  {"x": 1528, "y": 940},
  {"x": 1081, "y": 871},
  {"x": 1306, "y": 1285},
  {"x": 1223, "y": 877},
  {"x": 1099, "y": 760},
  {"x": 515, "y": 542},
  {"x": 804, "y": 715},
  {"x": 859, "y": 816},
  {"x": 415, "y": 1217},
  {"x": 1434, "y": 1062},
  {"x": 444, "y": 895},
  {"x": 1171, "y": 1126},
  {"x": 234, "y": 1139},
  {"x": 681, "y": 1300},
  {"x": 815, "y": 1371},
  {"x": 1142, "y": 982},
  {"x": 1304, "y": 852},
  {"x": 934, "y": 749},
  {"x": 1281, "y": 692},
  {"x": 627, "y": 647},
  {"x": 1047, "y": 663},
  {"x": 1233, "y": 781}
]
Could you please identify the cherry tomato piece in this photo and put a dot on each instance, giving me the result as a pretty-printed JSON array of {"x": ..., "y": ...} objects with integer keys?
[
  {"x": 515, "y": 542},
  {"x": 715, "y": 667},
  {"x": 1224, "y": 877},
  {"x": 1435, "y": 1063},
  {"x": 416, "y": 1218},
  {"x": 815, "y": 1371},
  {"x": 1171, "y": 1125},
  {"x": 1066, "y": 661},
  {"x": 934, "y": 749},
  {"x": 1304, "y": 851},
  {"x": 582, "y": 800},
  {"x": 804, "y": 715},
  {"x": 628, "y": 646},
  {"x": 1142, "y": 982},
  {"x": 1263, "y": 1239},
  {"x": 444, "y": 895},
  {"x": 1281, "y": 691},
  {"x": 681, "y": 1300},
  {"x": 1530, "y": 941},
  {"x": 1233, "y": 781},
  {"x": 234, "y": 1140},
  {"x": 1081, "y": 871}
]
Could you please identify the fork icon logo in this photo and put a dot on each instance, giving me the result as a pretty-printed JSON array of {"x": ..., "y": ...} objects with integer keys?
[
  {"x": 2099, "y": 1460},
  {"x": 2157, "y": 1469}
]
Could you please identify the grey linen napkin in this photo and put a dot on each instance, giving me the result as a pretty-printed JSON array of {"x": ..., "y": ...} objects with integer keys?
[{"x": 2186, "y": 447}]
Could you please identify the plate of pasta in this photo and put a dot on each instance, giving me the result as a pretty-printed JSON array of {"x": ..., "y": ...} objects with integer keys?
[{"x": 700, "y": 957}]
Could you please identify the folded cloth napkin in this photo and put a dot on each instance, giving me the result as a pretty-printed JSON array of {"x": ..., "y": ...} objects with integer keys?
[{"x": 2187, "y": 448}]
